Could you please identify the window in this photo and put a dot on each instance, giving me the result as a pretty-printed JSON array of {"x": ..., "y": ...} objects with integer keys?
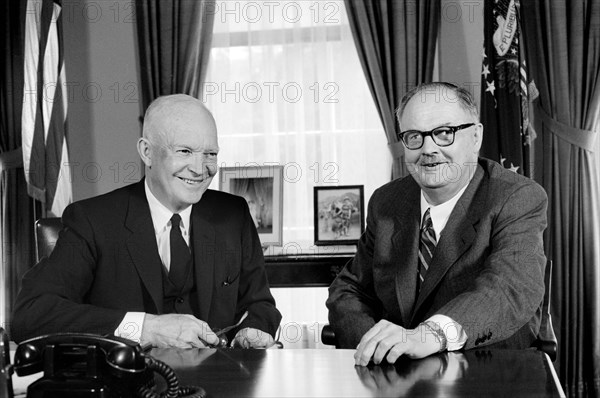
[{"x": 286, "y": 87}]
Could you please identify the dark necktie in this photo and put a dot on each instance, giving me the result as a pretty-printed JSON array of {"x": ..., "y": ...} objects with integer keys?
[
  {"x": 180, "y": 254},
  {"x": 426, "y": 247}
]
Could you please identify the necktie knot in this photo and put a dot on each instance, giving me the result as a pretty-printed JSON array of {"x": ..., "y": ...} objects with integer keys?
[
  {"x": 175, "y": 220},
  {"x": 427, "y": 223}
]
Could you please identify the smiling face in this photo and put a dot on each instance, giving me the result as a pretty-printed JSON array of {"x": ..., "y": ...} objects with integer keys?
[
  {"x": 179, "y": 149},
  {"x": 441, "y": 171}
]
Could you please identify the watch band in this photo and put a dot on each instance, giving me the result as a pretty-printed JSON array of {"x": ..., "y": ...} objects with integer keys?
[{"x": 439, "y": 334}]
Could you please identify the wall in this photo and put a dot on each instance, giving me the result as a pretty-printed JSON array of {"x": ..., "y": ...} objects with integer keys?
[{"x": 103, "y": 87}]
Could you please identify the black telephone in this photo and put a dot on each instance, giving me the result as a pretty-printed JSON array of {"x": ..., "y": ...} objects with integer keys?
[{"x": 87, "y": 365}]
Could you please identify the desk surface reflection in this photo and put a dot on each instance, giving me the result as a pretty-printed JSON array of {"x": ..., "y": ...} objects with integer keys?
[{"x": 331, "y": 373}]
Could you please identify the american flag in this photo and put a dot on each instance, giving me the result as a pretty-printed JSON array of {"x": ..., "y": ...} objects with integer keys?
[
  {"x": 505, "y": 88},
  {"x": 44, "y": 117}
]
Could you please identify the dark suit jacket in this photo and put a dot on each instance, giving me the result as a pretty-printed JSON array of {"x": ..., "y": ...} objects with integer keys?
[
  {"x": 487, "y": 269},
  {"x": 106, "y": 263}
]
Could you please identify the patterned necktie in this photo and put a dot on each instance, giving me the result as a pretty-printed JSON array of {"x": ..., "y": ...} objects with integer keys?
[
  {"x": 180, "y": 254},
  {"x": 426, "y": 247}
]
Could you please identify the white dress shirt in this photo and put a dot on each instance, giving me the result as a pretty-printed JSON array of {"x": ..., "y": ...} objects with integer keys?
[
  {"x": 455, "y": 334},
  {"x": 131, "y": 325}
]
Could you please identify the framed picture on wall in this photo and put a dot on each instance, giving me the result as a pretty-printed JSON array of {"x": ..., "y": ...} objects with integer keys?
[
  {"x": 338, "y": 215},
  {"x": 262, "y": 187}
]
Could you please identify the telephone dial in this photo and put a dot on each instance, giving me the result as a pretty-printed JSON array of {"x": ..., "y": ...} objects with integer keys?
[{"x": 87, "y": 365}]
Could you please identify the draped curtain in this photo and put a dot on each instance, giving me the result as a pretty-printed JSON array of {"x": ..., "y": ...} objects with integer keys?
[
  {"x": 396, "y": 42},
  {"x": 174, "y": 38},
  {"x": 17, "y": 209},
  {"x": 563, "y": 42}
]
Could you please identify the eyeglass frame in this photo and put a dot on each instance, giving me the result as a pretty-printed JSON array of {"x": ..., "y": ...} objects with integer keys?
[{"x": 425, "y": 134}]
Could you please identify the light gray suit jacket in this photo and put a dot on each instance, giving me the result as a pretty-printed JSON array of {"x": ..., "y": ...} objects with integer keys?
[{"x": 486, "y": 273}]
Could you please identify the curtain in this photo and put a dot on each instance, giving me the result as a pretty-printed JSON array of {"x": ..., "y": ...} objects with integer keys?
[
  {"x": 17, "y": 209},
  {"x": 174, "y": 38},
  {"x": 396, "y": 42},
  {"x": 563, "y": 41}
]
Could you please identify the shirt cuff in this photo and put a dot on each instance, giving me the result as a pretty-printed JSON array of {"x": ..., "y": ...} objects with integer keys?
[
  {"x": 455, "y": 334},
  {"x": 131, "y": 326}
]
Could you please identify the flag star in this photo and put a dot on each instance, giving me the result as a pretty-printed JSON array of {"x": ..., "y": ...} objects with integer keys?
[
  {"x": 513, "y": 50},
  {"x": 502, "y": 160},
  {"x": 513, "y": 167},
  {"x": 491, "y": 87},
  {"x": 483, "y": 52},
  {"x": 486, "y": 71}
]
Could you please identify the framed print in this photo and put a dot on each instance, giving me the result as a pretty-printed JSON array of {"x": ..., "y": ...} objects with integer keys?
[
  {"x": 338, "y": 215},
  {"x": 262, "y": 187}
]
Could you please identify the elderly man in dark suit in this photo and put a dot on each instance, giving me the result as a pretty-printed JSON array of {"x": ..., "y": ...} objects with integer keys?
[
  {"x": 162, "y": 261},
  {"x": 452, "y": 256}
]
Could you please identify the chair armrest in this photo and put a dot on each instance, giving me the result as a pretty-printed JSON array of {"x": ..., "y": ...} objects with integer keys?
[
  {"x": 328, "y": 335},
  {"x": 546, "y": 340}
]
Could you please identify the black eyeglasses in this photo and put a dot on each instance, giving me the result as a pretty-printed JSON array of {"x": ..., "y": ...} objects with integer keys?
[{"x": 442, "y": 136}]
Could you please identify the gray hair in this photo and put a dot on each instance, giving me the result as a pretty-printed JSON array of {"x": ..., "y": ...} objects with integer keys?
[{"x": 441, "y": 90}]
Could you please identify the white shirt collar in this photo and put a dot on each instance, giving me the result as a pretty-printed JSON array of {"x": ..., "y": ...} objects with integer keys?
[
  {"x": 440, "y": 213},
  {"x": 161, "y": 216}
]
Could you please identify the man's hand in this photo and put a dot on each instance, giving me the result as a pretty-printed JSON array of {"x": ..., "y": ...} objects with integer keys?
[
  {"x": 389, "y": 341},
  {"x": 177, "y": 331},
  {"x": 252, "y": 338}
]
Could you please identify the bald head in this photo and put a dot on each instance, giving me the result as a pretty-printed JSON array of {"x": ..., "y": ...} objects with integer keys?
[
  {"x": 168, "y": 112},
  {"x": 179, "y": 149}
]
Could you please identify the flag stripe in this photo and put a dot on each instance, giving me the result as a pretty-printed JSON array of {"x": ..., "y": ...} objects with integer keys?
[
  {"x": 28, "y": 118},
  {"x": 52, "y": 105},
  {"x": 61, "y": 188},
  {"x": 45, "y": 153}
]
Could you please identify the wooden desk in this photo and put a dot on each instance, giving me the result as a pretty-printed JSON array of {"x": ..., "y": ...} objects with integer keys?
[{"x": 331, "y": 373}]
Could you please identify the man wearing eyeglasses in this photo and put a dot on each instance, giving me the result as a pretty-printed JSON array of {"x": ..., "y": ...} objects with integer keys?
[{"x": 452, "y": 257}]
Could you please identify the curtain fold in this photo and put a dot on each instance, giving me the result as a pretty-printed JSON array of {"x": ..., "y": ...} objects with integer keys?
[
  {"x": 395, "y": 40},
  {"x": 174, "y": 39},
  {"x": 563, "y": 43},
  {"x": 17, "y": 209}
]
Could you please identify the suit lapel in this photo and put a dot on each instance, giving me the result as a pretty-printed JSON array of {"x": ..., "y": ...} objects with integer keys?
[
  {"x": 457, "y": 237},
  {"x": 204, "y": 246},
  {"x": 405, "y": 244},
  {"x": 141, "y": 244}
]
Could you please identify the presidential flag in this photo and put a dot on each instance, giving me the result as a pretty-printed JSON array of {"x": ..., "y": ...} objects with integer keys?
[
  {"x": 505, "y": 88},
  {"x": 44, "y": 117}
]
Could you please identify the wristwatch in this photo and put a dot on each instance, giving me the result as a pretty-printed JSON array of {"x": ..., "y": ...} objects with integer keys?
[{"x": 439, "y": 334}]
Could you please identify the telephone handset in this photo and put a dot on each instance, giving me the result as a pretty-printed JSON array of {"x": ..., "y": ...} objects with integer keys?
[{"x": 78, "y": 365}]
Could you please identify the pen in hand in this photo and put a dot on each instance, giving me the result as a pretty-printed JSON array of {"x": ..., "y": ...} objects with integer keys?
[{"x": 221, "y": 333}]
